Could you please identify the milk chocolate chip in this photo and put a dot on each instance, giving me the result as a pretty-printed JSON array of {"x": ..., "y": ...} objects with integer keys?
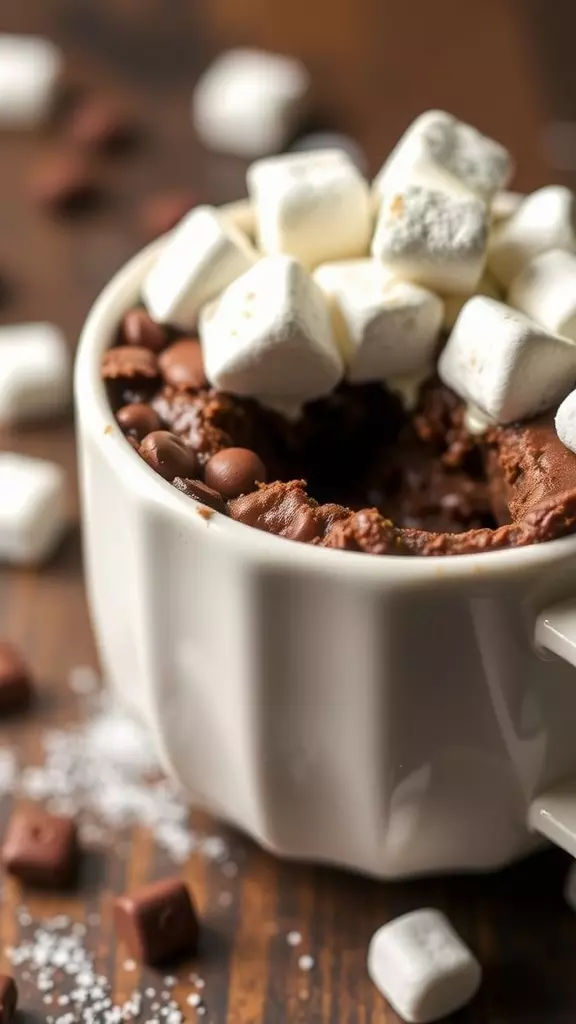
[
  {"x": 182, "y": 366},
  {"x": 196, "y": 489},
  {"x": 235, "y": 471},
  {"x": 138, "y": 419},
  {"x": 138, "y": 328},
  {"x": 40, "y": 849},
  {"x": 168, "y": 455},
  {"x": 127, "y": 362},
  {"x": 158, "y": 922}
]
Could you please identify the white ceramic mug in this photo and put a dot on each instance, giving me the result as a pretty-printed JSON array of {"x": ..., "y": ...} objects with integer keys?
[{"x": 388, "y": 714}]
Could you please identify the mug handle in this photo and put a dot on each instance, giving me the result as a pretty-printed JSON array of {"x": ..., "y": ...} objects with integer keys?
[{"x": 553, "y": 814}]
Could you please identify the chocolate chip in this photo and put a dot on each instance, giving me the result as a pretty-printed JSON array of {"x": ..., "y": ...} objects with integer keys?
[
  {"x": 168, "y": 455},
  {"x": 196, "y": 489},
  {"x": 182, "y": 366},
  {"x": 40, "y": 849},
  {"x": 98, "y": 126},
  {"x": 138, "y": 419},
  {"x": 163, "y": 212},
  {"x": 138, "y": 328},
  {"x": 16, "y": 690},
  {"x": 65, "y": 185},
  {"x": 127, "y": 362},
  {"x": 280, "y": 508},
  {"x": 8, "y": 998},
  {"x": 158, "y": 922},
  {"x": 235, "y": 471}
]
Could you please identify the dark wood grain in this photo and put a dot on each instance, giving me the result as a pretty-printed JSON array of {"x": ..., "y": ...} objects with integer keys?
[{"x": 504, "y": 65}]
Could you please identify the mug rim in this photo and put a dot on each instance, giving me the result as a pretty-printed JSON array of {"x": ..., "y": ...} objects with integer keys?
[{"x": 94, "y": 416}]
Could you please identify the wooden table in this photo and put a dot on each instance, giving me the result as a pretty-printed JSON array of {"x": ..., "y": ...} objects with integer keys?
[{"x": 506, "y": 66}]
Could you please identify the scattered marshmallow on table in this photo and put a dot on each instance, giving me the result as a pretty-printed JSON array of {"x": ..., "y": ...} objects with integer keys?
[
  {"x": 34, "y": 372},
  {"x": 422, "y": 967},
  {"x": 454, "y": 304},
  {"x": 434, "y": 238},
  {"x": 30, "y": 69},
  {"x": 32, "y": 508},
  {"x": 248, "y": 102},
  {"x": 504, "y": 363},
  {"x": 546, "y": 290},
  {"x": 201, "y": 256},
  {"x": 439, "y": 151},
  {"x": 314, "y": 206},
  {"x": 269, "y": 336},
  {"x": 384, "y": 327},
  {"x": 545, "y": 220},
  {"x": 566, "y": 429}
]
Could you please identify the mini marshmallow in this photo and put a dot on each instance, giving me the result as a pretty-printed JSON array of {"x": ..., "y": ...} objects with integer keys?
[
  {"x": 30, "y": 68},
  {"x": 440, "y": 152},
  {"x": 434, "y": 238},
  {"x": 314, "y": 206},
  {"x": 422, "y": 967},
  {"x": 384, "y": 327},
  {"x": 241, "y": 215},
  {"x": 249, "y": 102},
  {"x": 545, "y": 220},
  {"x": 269, "y": 336},
  {"x": 503, "y": 362},
  {"x": 546, "y": 291},
  {"x": 505, "y": 204},
  {"x": 202, "y": 255},
  {"x": 570, "y": 887},
  {"x": 454, "y": 304},
  {"x": 32, "y": 508},
  {"x": 566, "y": 429},
  {"x": 34, "y": 372}
]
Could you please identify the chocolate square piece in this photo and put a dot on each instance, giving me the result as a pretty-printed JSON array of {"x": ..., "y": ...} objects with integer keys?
[
  {"x": 158, "y": 922},
  {"x": 8, "y": 998},
  {"x": 15, "y": 682},
  {"x": 40, "y": 849}
]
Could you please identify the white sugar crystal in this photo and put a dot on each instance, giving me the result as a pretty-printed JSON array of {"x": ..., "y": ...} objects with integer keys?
[
  {"x": 438, "y": 151},
  {"x": 504, "y": 363},
  {"x": 433, "y": 238},
  {"x": 32, "y": 508},
  {"x": 30, "y": 68},
  {"x": 422, "y": 966},
  {"x": 269, "y": 336},
  {"x": 34, "y": 372},
  {"x": 194, "y": 999},
  {"x": 314, "y": 206},
  {"x": 546, "y": 290},
  {"x": 248, "y": 102},
  {"x": 294, "y": 938},
  {"x": 384, "y": 327},
  {"x": 505, "y": 204},
  {"x": 454, "y": 304},
  {"x": 545, "y": 220},
  {"x": 306, "y": 962},
  {"x": 566, "y": 423},
  {"x": 200, "y": 257}
]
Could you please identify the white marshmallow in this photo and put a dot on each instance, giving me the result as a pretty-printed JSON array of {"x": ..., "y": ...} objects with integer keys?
[
  {"x": 433, "y": 238},
  {"x": 241, "y": 215},
  {"x": 545, "y": 220},
  {"x": 546, "y": 290},
  {"x": 422, "y": 967},
  {"x": 570, "y": 887},
  {"x": 454, "y": 304},
  {"x": 30, "y": 68},
  {"x": 566, "y": 430},
  {"x": 505, "y": 204},
  {"x": 384, "y": 327},
  {"x": 34, "y": 372},
  {"x": 249, "y": 102},
  {"x": 32, "y": 508},
  {"x": 200, "y": 257},
  {"x": 314, "y": 206},
  {"x": 438, "y": 151},
  {"x": 269, "y": 336},
  {"x": 499, "y": 360}
]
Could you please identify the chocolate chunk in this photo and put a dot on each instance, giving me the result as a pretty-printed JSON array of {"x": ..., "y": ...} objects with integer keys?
[
  {"x": 138, "y": 328},
  {"x": 40, "y": 849},
  {"x": 196, "y": 489},
  {"x": 280, "y": 508},
  {"x": 138, "y": 419},
  {"x": 98, "y": 126},
  {"x": 235, "y": 471},
  {"x": 128, "y": 362},
  {"x": 16, "y": 690},
  {"x": 168, "y": 455},
  {"x": 182, "y": 366},
  {"x": 8, "y": 998},
  {"x": 158, "y": 922},
  {"x": 65, "y": 185},
  {"x": 163, "y": 212}
]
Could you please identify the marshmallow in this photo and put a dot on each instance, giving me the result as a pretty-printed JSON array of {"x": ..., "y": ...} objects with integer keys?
[
  {"x": 249, "y": 102},
  {"x": 454, "y": 304},
  {"x": 202, "y": 255},
  {"x": 241, "y": 215},
  {"x": 433, "y": 238},
  {"x": 546, "y": 291},
  {"x": 384, "y": 327},
  {"x": 570, "y": 887},
  {"x": 313, "y": 206},
  {"x": 30, "y": 68},
  {"x": 440, "y": 152},
  {"x": 505, "y": 204},
  {"x": 499, "y": 360},
  {"x": 32, "y": 508},
  {"x": 34, "y": 372},
  {"x": 422, "y": 967},
  {"x": 269, "y": 336},
  {"x": 566, "y": 429},
  {"x": 545, "y": 220}
]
